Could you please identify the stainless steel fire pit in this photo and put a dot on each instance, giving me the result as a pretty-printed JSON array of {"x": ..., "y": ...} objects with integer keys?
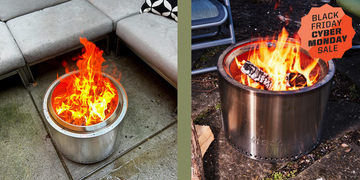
[
  {"x": 86, "y": 144},
  {"x": 272, "y": 125}
]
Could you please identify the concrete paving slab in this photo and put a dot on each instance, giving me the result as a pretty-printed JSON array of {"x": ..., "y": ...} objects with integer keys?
[
  {"x": 151, "y": 99},
  {"x": 339, "y": 164},
  {"x": 25, "y": 150},
  {"x": 155, "y": 159}
]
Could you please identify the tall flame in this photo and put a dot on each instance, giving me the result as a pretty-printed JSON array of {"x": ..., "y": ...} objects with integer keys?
[
  {"x": 87, "y": 97},
  {"x": 277, "y": 61}
]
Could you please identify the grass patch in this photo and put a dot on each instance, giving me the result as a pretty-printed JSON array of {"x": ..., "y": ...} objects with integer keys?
[
  {"x": 206, "y": 113},
  {"x": 280, "y": 176},
  {"x": 218, "y": 106},
  {"x": 203, "y": 115}
]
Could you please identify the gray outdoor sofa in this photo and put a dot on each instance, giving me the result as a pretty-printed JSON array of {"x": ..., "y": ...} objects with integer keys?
[{"x": 36, "y": 30}]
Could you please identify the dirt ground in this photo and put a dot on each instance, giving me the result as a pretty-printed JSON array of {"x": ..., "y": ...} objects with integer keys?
[{"x": 262, "y": 19}]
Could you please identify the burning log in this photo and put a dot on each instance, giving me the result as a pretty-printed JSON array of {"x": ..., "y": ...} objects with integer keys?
[
  {"x": 295, "y": 80},
  {"x": 256, "y": 74}
]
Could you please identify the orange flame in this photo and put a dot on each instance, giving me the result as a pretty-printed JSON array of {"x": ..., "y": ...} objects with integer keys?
[
  {"x": 279, "y": 60},
  {"x": 87, "y": 97}
]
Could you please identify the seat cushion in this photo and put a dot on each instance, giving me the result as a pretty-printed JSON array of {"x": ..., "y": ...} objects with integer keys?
[
  {"x": 55, "y": 30},
  {"x": 13, "y": 8},
  {"x": 118, "y": 9},
  {"x": 10, "y": 55},
  {"x": 154, "y": 39}
]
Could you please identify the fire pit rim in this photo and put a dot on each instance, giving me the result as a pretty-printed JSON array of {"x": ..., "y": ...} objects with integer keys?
[
  {"x": 220, "y": 67},
  {"x": 67, "y": 125},
  {"x": 93, "y": 130}
]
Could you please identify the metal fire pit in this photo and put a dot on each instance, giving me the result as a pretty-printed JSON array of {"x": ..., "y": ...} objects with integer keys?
[
  {"x": 86, "y": 144},
  {"x": 272, "y": 126}
]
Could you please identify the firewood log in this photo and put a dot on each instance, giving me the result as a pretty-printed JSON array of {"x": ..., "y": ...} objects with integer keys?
[
  {"x": 205, "y": 137},
  {"x": 197, "y": 168},
  {"x": 295, "y": 79},
  {"x": 256, "y": 74}
]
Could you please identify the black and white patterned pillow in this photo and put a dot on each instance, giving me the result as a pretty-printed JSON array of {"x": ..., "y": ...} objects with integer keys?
[{"x": 167, "y": 8}]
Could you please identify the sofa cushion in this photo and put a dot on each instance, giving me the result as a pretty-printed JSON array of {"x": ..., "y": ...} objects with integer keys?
[
  {"x": 10, "y": 55},
  {"x": 154, "y": 39},
  {"x": 55, "y": 30},
  {"x": 13, "y": 8},
  {"x": 167, "y": 8},
  {"x": 118, "y": 9}
]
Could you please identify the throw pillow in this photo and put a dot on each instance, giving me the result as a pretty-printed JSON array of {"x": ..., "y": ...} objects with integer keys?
[{"x": 167, "y": 8}]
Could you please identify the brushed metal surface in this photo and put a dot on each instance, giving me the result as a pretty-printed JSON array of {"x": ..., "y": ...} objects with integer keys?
[
  {"x": 272, "y": 125},
  {"x": 86, "y": 144}
]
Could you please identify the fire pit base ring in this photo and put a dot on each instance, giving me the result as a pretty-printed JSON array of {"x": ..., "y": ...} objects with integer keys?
[{"x": 274, "y": 160}]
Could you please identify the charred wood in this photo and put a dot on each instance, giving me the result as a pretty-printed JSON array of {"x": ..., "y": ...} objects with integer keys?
[
  {"x": 256, "y": 74},
  {"x": 295, "y": 80}
]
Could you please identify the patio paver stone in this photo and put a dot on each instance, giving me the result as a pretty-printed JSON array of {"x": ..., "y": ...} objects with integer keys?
[
  {"x": 155, "y": 159},
  {"x": 26, "y": 152}
]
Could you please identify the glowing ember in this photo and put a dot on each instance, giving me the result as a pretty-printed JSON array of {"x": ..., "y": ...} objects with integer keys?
[
  {"x": 282, "y": 61},
  {"x": 87, "y": 97}
]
